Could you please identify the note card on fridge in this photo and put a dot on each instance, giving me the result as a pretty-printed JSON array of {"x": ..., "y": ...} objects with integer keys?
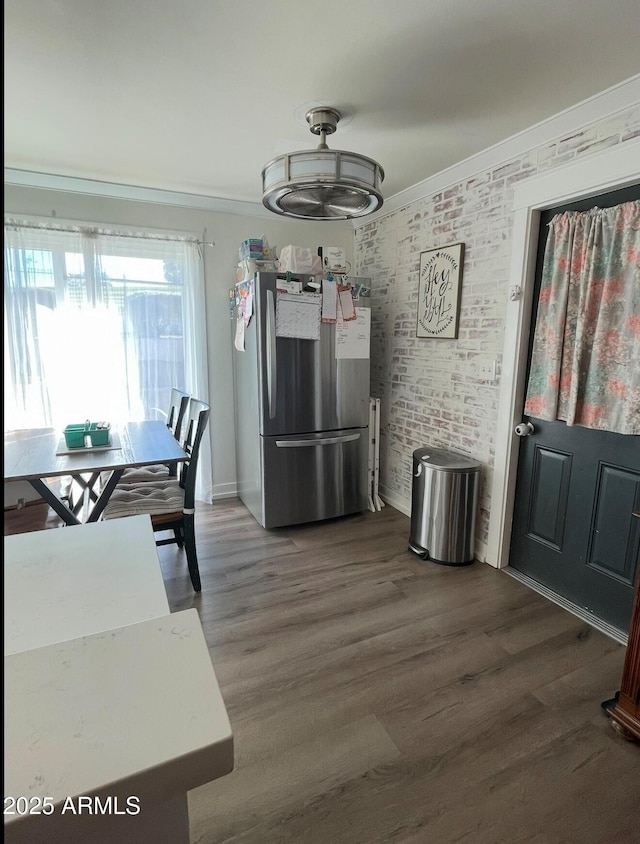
[
  {"x": 353, "y": 337},
  {"x": 329, "y": 301},
  {"x": 238, "y": 341},
  {"x": 346, "y": 302}
]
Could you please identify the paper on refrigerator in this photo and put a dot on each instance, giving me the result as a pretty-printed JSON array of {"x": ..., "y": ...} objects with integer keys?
[
  {"x": 244, "y": 299},
  {"x": 345, "y": 300},
  {"x": 353, "y": 337},
  {"x": 298, "y": 315},
  {"x": 244, "y": 311},
  {"x": 329, "y": 301},
  {"x": 238, "y": 341}
]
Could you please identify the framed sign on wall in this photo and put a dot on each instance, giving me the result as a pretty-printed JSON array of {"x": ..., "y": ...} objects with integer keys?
[{"x": 439, "y": 291}]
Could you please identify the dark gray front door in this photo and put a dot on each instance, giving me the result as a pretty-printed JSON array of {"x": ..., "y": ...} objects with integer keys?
[{"x": 576, "y": 490}]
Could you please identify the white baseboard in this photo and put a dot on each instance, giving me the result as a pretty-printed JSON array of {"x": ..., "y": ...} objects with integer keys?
[
  {"x": 396, "y": 501},
  {"x": 229, "y": 490}
]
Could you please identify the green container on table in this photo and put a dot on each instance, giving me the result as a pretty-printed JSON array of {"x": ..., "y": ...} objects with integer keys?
[
  {"x": 99, "y": 436},
  {"x": 74, "y": 434}
]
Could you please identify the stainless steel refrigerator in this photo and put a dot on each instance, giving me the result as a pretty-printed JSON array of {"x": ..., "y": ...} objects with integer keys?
[{"x": 302, "y": 416}]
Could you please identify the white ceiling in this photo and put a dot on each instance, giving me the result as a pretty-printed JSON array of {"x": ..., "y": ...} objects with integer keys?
[{"x": 196, "y": 96}]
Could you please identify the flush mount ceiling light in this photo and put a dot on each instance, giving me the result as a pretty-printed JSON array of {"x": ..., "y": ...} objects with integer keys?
[{"x": 323, "y": 183}]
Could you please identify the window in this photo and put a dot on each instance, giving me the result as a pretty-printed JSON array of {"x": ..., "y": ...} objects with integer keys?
[{"x": 99, "y": 325}]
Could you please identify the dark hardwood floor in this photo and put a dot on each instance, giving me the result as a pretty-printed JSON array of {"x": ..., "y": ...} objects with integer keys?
[{"x": 378, "y": 698}]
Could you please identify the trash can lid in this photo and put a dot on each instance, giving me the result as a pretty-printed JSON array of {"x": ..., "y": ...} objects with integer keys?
[{"x": 445, "y": 461}]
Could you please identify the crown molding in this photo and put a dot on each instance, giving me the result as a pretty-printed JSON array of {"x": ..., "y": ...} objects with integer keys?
[
  {"x": 617, "y": 98},
  {"x": 115, "y": 190}
]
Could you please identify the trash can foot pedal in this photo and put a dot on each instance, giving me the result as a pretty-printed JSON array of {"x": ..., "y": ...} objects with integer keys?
[{"x": 424, "y": 555}]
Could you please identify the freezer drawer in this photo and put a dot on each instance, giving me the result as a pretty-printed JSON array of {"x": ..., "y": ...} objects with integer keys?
[{"x": 314, "y": 476}]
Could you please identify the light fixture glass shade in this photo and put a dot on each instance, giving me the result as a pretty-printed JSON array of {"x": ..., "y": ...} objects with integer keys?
[{"x": 322, "y": 184}]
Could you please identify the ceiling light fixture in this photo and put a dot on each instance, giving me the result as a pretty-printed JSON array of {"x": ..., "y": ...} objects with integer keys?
[{"x": 322, "y": 184}]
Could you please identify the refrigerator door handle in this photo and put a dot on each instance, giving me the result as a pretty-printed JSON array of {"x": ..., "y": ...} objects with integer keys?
[
  {"x": 346, "y": 438},
  {"x": 272, "y": 385}
]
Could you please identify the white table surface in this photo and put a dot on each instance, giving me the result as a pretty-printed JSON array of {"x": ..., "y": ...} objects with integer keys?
[
  {"x": 72, "y": 581},
  {"x": 131, "y": 711}
]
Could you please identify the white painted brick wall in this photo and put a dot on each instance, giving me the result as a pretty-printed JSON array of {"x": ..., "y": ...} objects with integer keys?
[{"x": 430, "y": 389}]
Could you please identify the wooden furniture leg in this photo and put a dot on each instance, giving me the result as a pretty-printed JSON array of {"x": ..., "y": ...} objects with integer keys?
[{"x": 624, "y": 709}]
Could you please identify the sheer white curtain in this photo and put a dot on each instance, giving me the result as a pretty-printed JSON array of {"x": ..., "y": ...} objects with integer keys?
[
  {"x": 32, "y": 297},
  {"x": 101, "y": 324}
]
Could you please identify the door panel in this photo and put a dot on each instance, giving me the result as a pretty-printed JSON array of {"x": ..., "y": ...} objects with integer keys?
[
  {"x": 547, "y": 514},
  {"x": 573, "y": 530},
  {"x": 614, "y": 538}
]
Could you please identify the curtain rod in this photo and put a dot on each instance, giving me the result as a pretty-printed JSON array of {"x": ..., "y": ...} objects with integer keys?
[{"x": 94, "y": 230}]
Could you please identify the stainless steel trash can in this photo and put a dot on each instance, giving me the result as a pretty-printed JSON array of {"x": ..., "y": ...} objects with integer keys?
[{"x": 444, "y": 499}]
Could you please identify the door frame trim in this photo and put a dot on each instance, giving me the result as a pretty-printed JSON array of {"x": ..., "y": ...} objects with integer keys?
[{"x": 614, "y": 168}]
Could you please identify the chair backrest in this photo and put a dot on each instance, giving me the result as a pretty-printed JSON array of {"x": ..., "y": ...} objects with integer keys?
[
  {"x": 177, "y": 410},
  {"x": 195, "y": 423}
]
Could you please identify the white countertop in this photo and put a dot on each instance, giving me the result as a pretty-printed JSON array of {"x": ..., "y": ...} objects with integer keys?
[
  {"x": 131, "y": 711},
  {"x": 67, "y": 582},
  {"x": 108, "y": 696}
]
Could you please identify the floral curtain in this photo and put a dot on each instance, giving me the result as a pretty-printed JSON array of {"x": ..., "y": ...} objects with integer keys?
[{"x": 585, "y": 365}]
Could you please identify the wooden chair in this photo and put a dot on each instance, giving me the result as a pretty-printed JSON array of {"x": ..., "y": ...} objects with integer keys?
[
  {"x": 160, "y": 472},
  {"x": 171, "y": 502}
]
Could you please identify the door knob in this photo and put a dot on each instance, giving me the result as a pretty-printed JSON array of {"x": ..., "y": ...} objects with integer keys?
[{"x": 524, "y": 429}]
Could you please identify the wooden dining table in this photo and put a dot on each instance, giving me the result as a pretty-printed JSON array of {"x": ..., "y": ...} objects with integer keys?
[{"x": 37, "y": 455}]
